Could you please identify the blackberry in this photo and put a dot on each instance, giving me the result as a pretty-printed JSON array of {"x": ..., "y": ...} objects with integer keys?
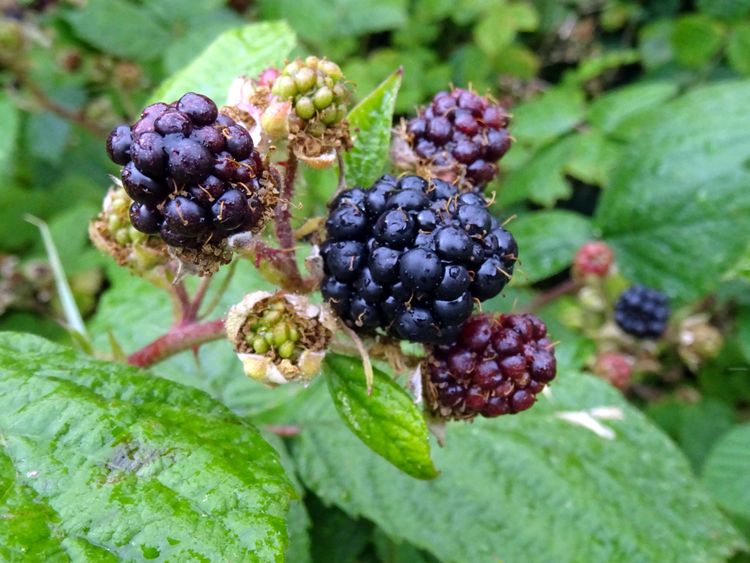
[
  {"x": 642, "y": 312},
  {"x": 459, "y": 137},
  {"x": 412, "y": 256},
  {"x": 193, "y": 173},
  {"x": 497, "y": 366}
]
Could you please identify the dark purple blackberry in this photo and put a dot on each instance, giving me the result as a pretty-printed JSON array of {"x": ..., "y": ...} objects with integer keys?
[
  {"x": 194, "y": 173},
  {"x": 496, "y": 366},
  {"x": 459, "y": 137},
  {"x": 411, "y": 257},
  {"x": 642, "y": 312}
]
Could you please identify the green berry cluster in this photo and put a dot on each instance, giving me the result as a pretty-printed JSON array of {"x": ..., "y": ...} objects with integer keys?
[
  {"x": 274, "y": 333},
  {"x": 118, "y": 222},
  {"x": 317, "y": 90}
]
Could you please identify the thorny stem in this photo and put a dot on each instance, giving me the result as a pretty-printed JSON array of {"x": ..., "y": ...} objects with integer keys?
[
  {"x": 282, "y": 430},
  {"x": 182, "y": 301},
  {"x": 47, "y": 103},
  {"x": 565, "y": 288},
  {"x": 284, "y": 231},
  {"x": 200, "y": 294},
  {"x": 221, "y": 290},
  {"x": 178, "y": 339}
]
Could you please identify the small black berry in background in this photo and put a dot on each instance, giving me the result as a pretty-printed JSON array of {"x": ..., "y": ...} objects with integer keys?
[
  {"x": 459, "y": 137},
  {"x": 496, "y": 366},
  {"x": 194, "y": 173},
  {"x": 642, "y": 312},
  {"x": 411, "y": 257}
]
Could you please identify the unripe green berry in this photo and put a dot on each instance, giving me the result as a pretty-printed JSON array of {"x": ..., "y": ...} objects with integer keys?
[
  {"x": 329, "y": 115},
  {"x": 340, "y": 93},
  {"x": 305, "y": 108},
  {"x": 284, "y": 87},
  {"x": 292, "y": 67},
  {"x": 268, "y": 337},
  {"x": 271, "y": 317},
  {"x": 294, "y": 334},
  {"x": 331, "y": 69},
  {"x": 286, "y": 350},
  {"x": 280, "y": 334},
  {"x": 122, "y": 237},
  {"x": 305, "y": 79},
  {"x": 316, "y": 129},
  {"x": 341, "y": 112},
  {"x": 312, "y": 61},
  {"x": 323, "y": 98},
  {"x": 260, "y": 345}
]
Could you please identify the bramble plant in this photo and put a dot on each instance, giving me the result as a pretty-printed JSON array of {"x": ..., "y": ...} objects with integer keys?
[{"x": 341, "y": 312}]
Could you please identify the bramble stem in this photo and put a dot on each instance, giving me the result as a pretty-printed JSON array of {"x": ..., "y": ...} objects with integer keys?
[
  {"x": 45, "y": 102},
  {"x": 565, "y": 288},
  {"x": 197, "y": 300},
  {"x": 178, "y": 339},
  {"x": 284, "y": 231},
  {"x": 222, "y": 289}
]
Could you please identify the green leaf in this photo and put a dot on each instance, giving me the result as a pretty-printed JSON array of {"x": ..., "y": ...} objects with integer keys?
[
  {"x": 695, "y": 427},
  {"x": 320, "y": 21},
  {"x": 727, "y": 471},
  {"x": 696, "y": 39},
  {"x": 738, "y": 50},
  {"x": 593, "y": 158},
  {"x": 540, "y": 179},
  {"x": 370, "y": 122},
  {"x": 244, "y": 50},
  {"x": 495, "y": 31},
  {"x": 547, "y": 242},
  {"x": 8, "y": 135},
  {"x": 655, "y": 43},
  {"x": 532, "y": 487},
  {"x": 609, "y": 110},
  {"x": 677, "y": 206},
  {"x": 116, "y": 459},
  {"x": 121, "y": 28},
  {"x": 387, "y": 421},
  {"x": 594, "y": 66},
  {"x": 541, "y": 120},
  {"x": 725, "y": 8}
]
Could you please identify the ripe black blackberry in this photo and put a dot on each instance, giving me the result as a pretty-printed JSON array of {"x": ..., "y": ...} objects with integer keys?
[
  {"x": 642, "y": 312},
  {"x": 193, "y": 173},
  {"x": 411, "y": 256},
  {"x": 497, "y": 366},
  {"x": 459, "y": 137}
]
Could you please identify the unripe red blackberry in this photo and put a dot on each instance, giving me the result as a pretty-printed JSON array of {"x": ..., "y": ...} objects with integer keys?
[
  {"x": 642, "y": 312},
  {"x": 194, "y": 175},
  {"x": 412, "y": 256},
  {"x": 593, "y": 258},
  {"x": 459, "y": 137},
  {"x": 615, "y": 368},
  {"x": 497, "y": 366}
]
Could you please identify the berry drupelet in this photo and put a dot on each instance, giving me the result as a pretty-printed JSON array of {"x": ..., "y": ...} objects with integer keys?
[
  {"x": 459, "y": 137},
  {"x": 497, "y": 366},
  {"x": 642, "y": 312},
  {"x": 193, "y": 173},
  {"x": 411, "y": 257}
]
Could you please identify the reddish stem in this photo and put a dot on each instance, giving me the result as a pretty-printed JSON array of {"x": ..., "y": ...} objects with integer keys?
[
  {"x": 178, "y": 339},
  {"x": 542, "y": 299},
  {"x": 284, "y": 231},
  {"x": 282, "y": 430}
]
